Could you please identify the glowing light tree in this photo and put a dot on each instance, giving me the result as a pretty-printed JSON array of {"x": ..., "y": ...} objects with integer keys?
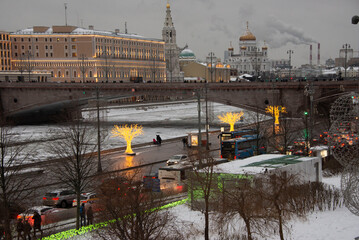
[
  {"x": 127, "y": 133},
  {"x": 275, "y": 111},
  {"x": 231, "y": 119}
]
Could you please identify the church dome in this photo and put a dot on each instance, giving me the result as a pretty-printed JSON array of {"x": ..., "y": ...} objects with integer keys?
[
  {"x": 187, "y": 53},
  {"x": 248, "y": 36}
]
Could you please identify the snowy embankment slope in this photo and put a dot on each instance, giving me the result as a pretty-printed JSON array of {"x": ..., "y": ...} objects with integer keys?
[{"x": 339, "y": 224}]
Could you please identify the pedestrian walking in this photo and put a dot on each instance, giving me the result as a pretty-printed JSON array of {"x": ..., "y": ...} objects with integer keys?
[
  {"x": 27, "y": 230},
  {"x": 184, "y": 142},
  {"x": 83, "y": 214},
  {"x": 20, "y": 229},
  {"x": 37, "y": 223},
  {"x": 159, "y": 139},
  {"x": 89, "y": 216}
]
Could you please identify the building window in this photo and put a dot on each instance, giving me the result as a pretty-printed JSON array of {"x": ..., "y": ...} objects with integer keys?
[
  {"x": 73, "y": 39},
  {"x": 65, "y": 46},
  {"x": 75, "y": 74},
  {"x": 73, "y": 46},
  {"x": 74, "y": 54},
  {"x": 59, "y": 74}
]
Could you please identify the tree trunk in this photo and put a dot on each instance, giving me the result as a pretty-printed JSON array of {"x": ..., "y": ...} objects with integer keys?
[
  {"x": 78, "y": 210},
  {"x": 248, "y": 227},
  {"x": 206, "y": 217}
]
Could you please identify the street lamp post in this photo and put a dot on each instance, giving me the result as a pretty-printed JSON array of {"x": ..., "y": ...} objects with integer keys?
[
  {"x": 346, "y": 47},
  {"x": 83, "y": 67},
  {"x": 290, "y": 52},
  {"x": 99, "y": 167}
]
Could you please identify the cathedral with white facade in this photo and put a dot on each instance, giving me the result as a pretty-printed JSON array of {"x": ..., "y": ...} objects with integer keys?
[{"x": 251, "y": 59}]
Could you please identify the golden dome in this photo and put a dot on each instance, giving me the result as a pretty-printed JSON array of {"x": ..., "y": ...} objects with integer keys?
[
  {"x": 168, "y": 4},
  {"x": 265, "y": 46},
  {"x": 230, "y": 49},
  {"x": 248, "y": 36},
  {"x": 243, "y": 48}
]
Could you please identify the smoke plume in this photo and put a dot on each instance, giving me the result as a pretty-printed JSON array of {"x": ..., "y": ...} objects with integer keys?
[{"x": 281, "y": 33}]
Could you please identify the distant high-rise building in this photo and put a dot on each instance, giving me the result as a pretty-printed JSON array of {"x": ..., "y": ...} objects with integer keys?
[
  {"x": 250, "y": 59},
  {"x": 172, "y": 51},
  {"x": 5, "y": 51},
  {"x": 75, "y": 54}
]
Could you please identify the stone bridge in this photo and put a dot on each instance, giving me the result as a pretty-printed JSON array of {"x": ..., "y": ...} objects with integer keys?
[{"x": 27, "y": 102}]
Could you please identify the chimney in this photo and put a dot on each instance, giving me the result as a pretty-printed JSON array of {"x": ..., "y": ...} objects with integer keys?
[
  {"x": 310, "y": 55},
  {"x": 91, "y": 27},
  {"x": 117, "y": 30},
  {"x": 318, "y": 54}
]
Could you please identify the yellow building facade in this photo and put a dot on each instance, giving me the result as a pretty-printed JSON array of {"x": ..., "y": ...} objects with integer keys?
[
  {"x": 5, "y": 51},
  {"x": 74, "y": 54}
]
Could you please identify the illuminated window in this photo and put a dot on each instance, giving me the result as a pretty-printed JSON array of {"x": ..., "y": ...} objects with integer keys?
[
  {"x": 74, "y": 54},
  {"x": 73, "y": 39},
  {"x": 58, "y": 39},
  {"x": 73, "y": 46}
]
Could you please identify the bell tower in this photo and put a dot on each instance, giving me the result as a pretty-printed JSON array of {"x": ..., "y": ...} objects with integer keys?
[
  {"x": 171, "y": 49},
  {"x": 169, "y": 31}
]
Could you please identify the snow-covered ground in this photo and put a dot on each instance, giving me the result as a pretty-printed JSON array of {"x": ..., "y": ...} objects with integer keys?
[{"x": 339, "y": 224}]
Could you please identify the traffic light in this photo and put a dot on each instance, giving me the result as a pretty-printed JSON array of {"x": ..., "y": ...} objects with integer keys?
[{"x": 305, "y": 113}]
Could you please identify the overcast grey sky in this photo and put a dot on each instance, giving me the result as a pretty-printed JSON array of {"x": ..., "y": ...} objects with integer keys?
[{"x": 206, "y": 25}]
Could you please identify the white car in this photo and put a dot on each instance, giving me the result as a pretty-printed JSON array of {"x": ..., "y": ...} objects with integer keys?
[
  {"x": 86, "y": 198},
  {"x": 177, "y": 159}
]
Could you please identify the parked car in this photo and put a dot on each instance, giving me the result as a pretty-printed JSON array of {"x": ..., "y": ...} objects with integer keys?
[
  {"x": 44, "y": 212},
  {"x": 60, "y": 197},
  {"x": 86, "y": 198},
  {"x": 177, "y": 159}
]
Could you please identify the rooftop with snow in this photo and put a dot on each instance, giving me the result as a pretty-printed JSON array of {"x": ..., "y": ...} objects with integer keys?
[{"x": 260, "y": 163}]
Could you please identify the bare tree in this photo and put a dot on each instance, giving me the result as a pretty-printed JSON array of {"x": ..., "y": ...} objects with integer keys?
[
  {"x": 241, "y": 198},
  {"x": 13, "y": 182},
  {"x": 78, "y": 158},
  {"x": 286, "y": 136},
  {"x": 202, "y": 184},
  {"x": 132, "y": 212},
  {"x": 282, "y": 198}
]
